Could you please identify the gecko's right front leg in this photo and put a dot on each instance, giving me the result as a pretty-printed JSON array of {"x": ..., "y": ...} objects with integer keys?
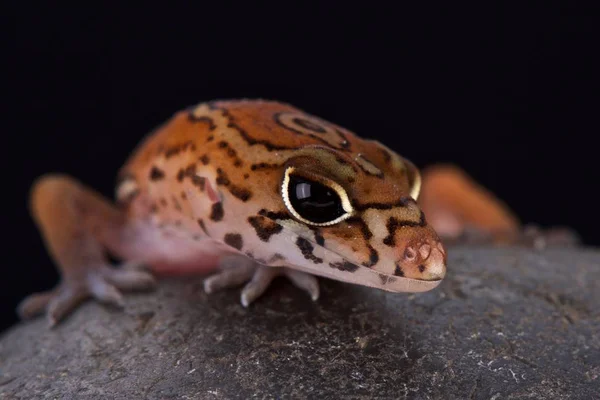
[
  {"x": 236, "y": 270},
  {"x": 78, "y": 225}
]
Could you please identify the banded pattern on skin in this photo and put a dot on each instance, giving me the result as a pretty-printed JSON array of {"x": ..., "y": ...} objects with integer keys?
[{"x": 223, "y": 162}]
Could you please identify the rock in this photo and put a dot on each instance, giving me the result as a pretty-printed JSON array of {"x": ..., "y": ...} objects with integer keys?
[{"x": 506, "y": 323}]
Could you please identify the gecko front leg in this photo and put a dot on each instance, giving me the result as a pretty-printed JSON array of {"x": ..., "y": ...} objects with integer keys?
[
  {"x": 236, "y": 270},
  {"x": 79, "y": 226}
]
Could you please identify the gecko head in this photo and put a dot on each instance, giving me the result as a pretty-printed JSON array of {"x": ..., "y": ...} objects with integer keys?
[{"x": 363, "y": 216}]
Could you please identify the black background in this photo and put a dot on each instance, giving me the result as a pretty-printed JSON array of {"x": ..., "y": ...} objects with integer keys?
[{"x": 505, "y": 91}]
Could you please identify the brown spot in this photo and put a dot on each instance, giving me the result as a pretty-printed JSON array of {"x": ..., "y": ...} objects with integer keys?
[
  {"x": 319, "y": 239},
  {"x": 265, "y": 227},
  {"x": 204, "y": 159},
  {"x": 231, "y": 153},
  {"x": 202, "y": 226},
  {"x": 344, "y": 266},
  {"x": 421, "y": 268},
  {"x": 199, "y": 182},
  {"x": 216, "y": 212},
  {"x": 208, "y": 120},
  {"x": 234, "y": 240},
  {"x": 384, "y": 279},
  {"x": 180, "y": 175},
  {"x": 373, "y": 257},
  {"x": 163, "y": 202},
  {"x": 252, "y": 141},
  {"x": 241, "y": 193},
  {"x": 190, "y": 170},
  {"x": 172, "y": 151},
  {"x": 401, "y": 202},
  {"x": 246, "y": 176},
  {"x": 183, "y": 196},
  {"x": 263, "y": 165},
  {"x": 276, "y": 257},
  {"x": 156, "y": 174},
  {"x": 222, "y": 178},
  {"x": 398, "y": 271},
  {"x": 176, "y": 149},
  {"x": 274, "y": 215},
  {"x": 307, "y": 250},
  {"x": 393, "y": 224},
  {"x": 364, "y": 229}
]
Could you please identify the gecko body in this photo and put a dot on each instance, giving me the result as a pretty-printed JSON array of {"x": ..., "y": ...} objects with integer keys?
[{"x": 246, "y": 190}]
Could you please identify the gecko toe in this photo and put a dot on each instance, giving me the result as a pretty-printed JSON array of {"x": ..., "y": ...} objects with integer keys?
[
  {"x": 101, "y": 282},
  {"x": 304, "y": 281},
  {"x": 131, "y": 279},
  {"x": 34, "y": 304},
  {"x": 66, "y": 299},
  {"x": 236, "y": 270},
  {"x": 103, "y": 291},
  {"x": 260, "y": 281},
  {"x": 232, "y": 276}
]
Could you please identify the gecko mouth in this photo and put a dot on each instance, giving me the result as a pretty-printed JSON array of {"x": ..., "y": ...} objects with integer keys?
[
  {"x": 318, "y": 259},
  {"x": 357, "y": 273}
]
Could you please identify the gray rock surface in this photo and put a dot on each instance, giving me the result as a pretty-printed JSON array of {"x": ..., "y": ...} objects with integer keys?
[{"x": 506, "y": 323}]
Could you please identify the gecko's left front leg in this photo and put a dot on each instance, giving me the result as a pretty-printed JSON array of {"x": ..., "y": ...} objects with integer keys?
[
  {"x": 79, "y": 226},
  {"x": 236, "y": 270}
]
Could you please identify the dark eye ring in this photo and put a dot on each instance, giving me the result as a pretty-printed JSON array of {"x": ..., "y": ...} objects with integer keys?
[{"x": 318, "y": 202}]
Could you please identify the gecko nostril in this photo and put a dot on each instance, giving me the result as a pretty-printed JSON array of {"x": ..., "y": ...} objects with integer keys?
[
  {"x": 410, "y": 254},
  {"x": 425, "y": 250}
]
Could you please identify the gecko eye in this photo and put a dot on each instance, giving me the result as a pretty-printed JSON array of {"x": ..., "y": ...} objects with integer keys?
[{"x": 314, "y": 202}]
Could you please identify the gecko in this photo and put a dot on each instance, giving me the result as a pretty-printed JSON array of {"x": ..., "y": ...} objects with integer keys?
[{"x": 243, "y": 191}]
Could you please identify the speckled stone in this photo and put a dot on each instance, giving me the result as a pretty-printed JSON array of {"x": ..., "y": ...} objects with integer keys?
[{"x": 506, "y": 323}]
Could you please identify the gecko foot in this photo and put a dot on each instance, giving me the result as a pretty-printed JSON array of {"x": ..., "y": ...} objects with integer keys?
[
  {"x": 237, "y": 270},
  {"x": 102, "y": 283}
]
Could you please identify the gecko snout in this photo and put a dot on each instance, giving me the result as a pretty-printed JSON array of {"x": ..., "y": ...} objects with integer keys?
[{"x": 424, "y": 259}]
